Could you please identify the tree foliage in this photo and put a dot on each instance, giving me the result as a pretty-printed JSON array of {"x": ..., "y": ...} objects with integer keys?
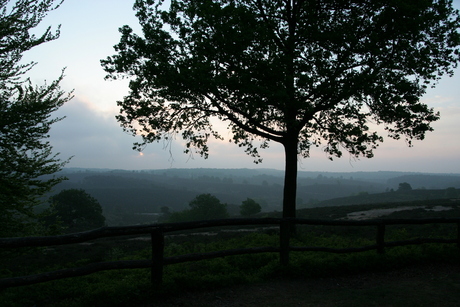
[
  {"x": 452, "y": 192},
  {"x": 202, "y": 207},
  {"x": 76, "y": 210},
  {"x": 404, "y": 187},
  {"x": 249, "y": 207},
  {"x": 301, "y": 73},
  {"x": 25, "y": 117}
]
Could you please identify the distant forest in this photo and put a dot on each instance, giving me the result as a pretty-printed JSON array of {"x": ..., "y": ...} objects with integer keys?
[{"x": 131, "y": 197}]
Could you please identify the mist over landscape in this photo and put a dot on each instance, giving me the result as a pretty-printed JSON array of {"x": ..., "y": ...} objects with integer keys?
[{"x": 137, "y": 196}]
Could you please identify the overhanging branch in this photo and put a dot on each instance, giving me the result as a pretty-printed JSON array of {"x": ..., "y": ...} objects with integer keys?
[{"x": 255, "y": 127}]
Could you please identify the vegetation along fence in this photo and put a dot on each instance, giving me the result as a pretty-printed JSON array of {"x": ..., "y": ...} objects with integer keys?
[{"x": 158, "y": 231}]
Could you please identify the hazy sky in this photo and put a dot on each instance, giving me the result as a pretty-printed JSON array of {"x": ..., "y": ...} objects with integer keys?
[{"x": 90, "y": 133}]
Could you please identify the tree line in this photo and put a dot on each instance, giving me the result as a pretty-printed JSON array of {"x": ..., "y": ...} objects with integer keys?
[{"x": 208, "y": 207}]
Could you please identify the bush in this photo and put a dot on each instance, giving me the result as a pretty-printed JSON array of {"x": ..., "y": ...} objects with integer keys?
[
  {"x": 202, "y": 207},
  {"x": 76, "y": 210},
  {"x": 249, "y": 207}
]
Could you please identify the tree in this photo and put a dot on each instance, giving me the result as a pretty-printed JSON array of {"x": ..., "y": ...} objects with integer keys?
[
  {"x": 249, "y": 207},
  {"x": 76, "y": 210},
  {"x": 207, "y": 207},
  {"x": 451, "y": 192},
  {"x": 25, "y": 112},
  {"x": 165, "y": 214},
  {"x": 165, "y": 210},
  {"x": 304, "y": 74},
  {"x": 202, "y": 207},
  {"x": 404, "y": 187}
]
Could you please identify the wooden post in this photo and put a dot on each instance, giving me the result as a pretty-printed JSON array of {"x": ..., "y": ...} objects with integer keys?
[
  {"x": 381, "y": 238},
  {"x": 285, "y": 234},
  {"x": 158, "y": 244},
  {"x": 458, "y": 235}
]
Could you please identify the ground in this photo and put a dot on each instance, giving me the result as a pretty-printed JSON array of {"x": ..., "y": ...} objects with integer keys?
[{"x": 422, "y": 285}]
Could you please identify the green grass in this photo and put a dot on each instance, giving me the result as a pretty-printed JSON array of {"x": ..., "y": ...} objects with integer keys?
[
  {"x": 132, "y": 287},
  {"x": 119, "y": 287}
]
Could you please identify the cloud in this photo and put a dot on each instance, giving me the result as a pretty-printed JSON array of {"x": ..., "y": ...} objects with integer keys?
[{"x": 90, "y": 135}]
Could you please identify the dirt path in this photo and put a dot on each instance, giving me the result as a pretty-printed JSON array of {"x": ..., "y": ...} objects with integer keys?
[{"x": 435, "y": 285}]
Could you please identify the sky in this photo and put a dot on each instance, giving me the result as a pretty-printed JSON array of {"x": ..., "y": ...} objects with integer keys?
[{"x": 90, "y": 133}]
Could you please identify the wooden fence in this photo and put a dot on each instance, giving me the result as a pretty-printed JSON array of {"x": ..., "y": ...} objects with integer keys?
[{"x": 158, "y": 231}]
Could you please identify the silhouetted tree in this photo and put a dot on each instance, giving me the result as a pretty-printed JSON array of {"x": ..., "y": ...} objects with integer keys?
[
  {"x": 249, "y": 207},
  {"x": 165, "y": 210},
  {"x": 301, "y": 73},
  {"x": 25, "y": 112},
  {"x": 76, "y": 210},
  {"x": 451, "y": 192},
  {"x": 202, "y": 207},
  {"x": 404, "y": 186},
  {"x": 207, "y": 207}
]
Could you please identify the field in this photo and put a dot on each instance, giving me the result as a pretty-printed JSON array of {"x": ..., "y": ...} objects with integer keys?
[{"x": 410, "y": 275}]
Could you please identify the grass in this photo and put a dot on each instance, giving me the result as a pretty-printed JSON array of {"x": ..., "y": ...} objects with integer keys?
[
  {"x": 121, "y": 287},
  {"x": 133, "y": 287}
]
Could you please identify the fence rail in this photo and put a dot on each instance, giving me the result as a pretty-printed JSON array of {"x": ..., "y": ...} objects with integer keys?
[{"x": 158, "y": 231}]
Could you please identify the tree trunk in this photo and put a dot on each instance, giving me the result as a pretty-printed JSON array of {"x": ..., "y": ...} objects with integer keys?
[
  {"x": 290, "y": 178},
  {"x": 288, "y": 230}
]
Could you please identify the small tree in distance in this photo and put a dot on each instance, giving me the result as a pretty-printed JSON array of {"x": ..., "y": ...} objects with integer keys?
[
  {"x": 207, "y": 207},
  {"x": 249, "y": 207},
  {"x": 202, "y": 207},
  {"x": 76, "y": 210},
  {"x": 165, "y": 210},
  {"x": 404, "y": 187},
  {"x": 304, "y": 74},
  {"x": 451, "y": 192}
]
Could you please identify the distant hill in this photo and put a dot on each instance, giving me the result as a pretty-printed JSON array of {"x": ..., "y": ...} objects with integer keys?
[
  {"x": 391, "y": 197},
  {"x": 406, "y": 209},
  {"x": 427, "y": 181},
  {"x": 129, "y": 197}
]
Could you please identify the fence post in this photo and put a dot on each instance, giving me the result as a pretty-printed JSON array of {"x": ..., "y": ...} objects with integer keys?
[
  {"x": 158, "y": 244},
  {"x": 285, "y": 234},
  {"x": 458, "y": 235},
  {"x": 381, "y": 238}
]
